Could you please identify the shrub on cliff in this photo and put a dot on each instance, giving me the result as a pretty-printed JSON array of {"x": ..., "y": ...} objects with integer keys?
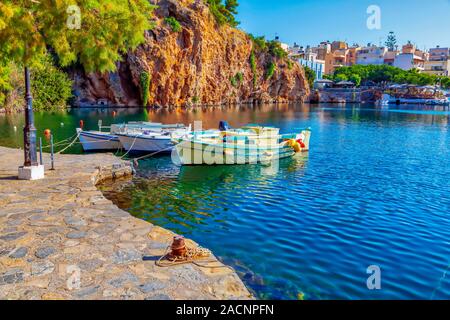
[
  {"x": 310, "y": 76},
  {"x": 174, "y": 24},
  {"x": 254, "y": 68},
  {"x": 224, "y": 13},
  {"x": 144, "y": 79},
  {"x": 271, "y": 67}
]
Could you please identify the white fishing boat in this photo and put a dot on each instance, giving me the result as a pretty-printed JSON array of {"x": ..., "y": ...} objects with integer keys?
[
  {"x": 157, "y": 139},
  {"x": 248, "y": 145},
  {"x": 97, "y": 140}
]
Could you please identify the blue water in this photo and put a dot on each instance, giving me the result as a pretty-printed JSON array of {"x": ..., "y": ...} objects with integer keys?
[{"x": 373, "y": 190}]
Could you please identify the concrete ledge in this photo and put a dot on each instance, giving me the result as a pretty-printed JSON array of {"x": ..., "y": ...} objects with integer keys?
[{"x": 60, "y": 238}]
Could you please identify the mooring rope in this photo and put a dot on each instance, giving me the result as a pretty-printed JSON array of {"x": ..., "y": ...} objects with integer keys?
[
  {"x": 192, "y": 256},
  {"x": 131, "y": 148},
  {"x": 74, "y": 140}
]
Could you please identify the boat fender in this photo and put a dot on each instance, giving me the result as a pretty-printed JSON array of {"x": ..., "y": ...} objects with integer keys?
[{"x": 294, "y": 144}]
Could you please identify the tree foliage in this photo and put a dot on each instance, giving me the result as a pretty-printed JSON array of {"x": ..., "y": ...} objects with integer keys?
[
  {"x": 310, "y": 76},
  {"x": 107, "y": 29},
  {"x": 224, "y": 12},
  {"x": 50, "y": 86},
  {"x": 144, "y": 79},
  {"x": 391, "y": 41},
  {"x": 270, "y": 70},
  {"x": 387, "y": 74},
  {"x": 174, "y": 24}
]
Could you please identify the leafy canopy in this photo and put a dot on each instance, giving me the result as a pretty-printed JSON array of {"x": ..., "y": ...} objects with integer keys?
[
  {"x": 224, "y": 13},
  {"x": 386, "y": 73},
  {"x": 108, "y": 29}
]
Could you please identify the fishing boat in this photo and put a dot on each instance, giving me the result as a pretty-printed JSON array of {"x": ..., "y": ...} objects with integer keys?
[
  {"x": 156, "y": 139},
  {"x": 248, "y": 145},
  {"x": 97, "y": 140}
]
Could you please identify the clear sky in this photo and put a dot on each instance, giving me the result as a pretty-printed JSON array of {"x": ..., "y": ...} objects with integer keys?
[{"x": 425, "y": 22}]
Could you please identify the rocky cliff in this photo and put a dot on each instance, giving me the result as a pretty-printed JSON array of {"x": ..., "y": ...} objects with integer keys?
[{"x": 201, "y": 63}]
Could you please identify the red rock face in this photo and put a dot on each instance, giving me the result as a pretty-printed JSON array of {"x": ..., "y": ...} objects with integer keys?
[{"x": 192, "y": 67}]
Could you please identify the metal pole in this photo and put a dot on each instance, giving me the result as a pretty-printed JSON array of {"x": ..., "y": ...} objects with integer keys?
[
  {"x": 29, "y": 131},
  {"x": 52, "y": 154},
  {"x": 40, "y": 151}
]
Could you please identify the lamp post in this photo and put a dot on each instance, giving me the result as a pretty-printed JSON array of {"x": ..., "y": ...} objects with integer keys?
[
  {"x": 31, "y": 169},
  {"x": 29, "y": 131}
]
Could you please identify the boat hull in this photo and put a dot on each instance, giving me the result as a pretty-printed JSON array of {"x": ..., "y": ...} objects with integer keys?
[
  {"x": 146, "y": 144},
  {"x": 98, "y": 141},
  {"x": 192, "y": 152}
]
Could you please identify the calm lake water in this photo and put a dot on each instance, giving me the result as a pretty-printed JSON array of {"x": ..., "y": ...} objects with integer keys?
[{"x": 373, "y": 190}]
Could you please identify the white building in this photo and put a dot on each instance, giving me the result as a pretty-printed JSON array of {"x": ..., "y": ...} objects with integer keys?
[
  {"x": 371, "y": 55},
  {"x": 308, "y": 58}
]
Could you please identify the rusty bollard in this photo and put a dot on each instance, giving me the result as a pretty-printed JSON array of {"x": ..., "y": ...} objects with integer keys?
[{"x": 178, "y": 247}]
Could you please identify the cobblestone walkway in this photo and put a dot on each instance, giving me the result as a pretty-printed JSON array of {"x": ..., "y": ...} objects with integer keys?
[{"x": 61, "y": 239}]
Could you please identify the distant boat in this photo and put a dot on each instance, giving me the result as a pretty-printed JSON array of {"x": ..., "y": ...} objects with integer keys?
[
  {"x": 102, "y": 140},
  {"x": 248, "y": 145}
]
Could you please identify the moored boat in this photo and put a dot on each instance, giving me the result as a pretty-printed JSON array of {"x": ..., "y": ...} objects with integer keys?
[
  {"x": 98, "y": 140},
  {"x": 152, "y": 139},
  {"x": 248, "y": 145}
]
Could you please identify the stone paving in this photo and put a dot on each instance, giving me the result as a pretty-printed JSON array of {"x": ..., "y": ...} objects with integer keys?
[{"x": 61, "y": 239}]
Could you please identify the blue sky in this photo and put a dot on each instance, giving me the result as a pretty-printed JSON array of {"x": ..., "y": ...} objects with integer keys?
[{"x": 424, "y": 22}]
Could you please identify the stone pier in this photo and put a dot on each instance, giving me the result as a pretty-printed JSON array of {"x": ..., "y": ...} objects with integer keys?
[{"x": 61, "y": 239}]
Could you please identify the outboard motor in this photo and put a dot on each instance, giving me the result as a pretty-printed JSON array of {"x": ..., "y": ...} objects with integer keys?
[{"x": 223, "y": 126}]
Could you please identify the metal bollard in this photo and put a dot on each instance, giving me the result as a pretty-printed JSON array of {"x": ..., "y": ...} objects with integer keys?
[
  {"x": 40, "y": 151},
  {"x": 52, "y": 154}
]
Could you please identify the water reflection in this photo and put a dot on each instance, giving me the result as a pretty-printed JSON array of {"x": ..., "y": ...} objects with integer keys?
[{"x": 172, "y": 196}]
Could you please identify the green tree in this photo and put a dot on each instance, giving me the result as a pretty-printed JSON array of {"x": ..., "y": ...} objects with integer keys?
[
  {"x": 5, "y": 85},
  {"x": 310, "y": 76},
  {"x": 224, "y": 13},
  {"x": 50, "y": 86},
  {"x": 391, "y": 41},
  {"x": 356, "y": 79},
  {"x": 95, "y": 33},
  {"x": 340, "y": 77}
]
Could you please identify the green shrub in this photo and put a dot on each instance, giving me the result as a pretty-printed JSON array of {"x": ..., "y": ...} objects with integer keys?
[
  {"x": 51, "y": 87},
  {"x": 174, "y": 24},
  {"x": 290, "y": 64},
  {"x": 239, "y": 77},
  {"x": 5, "y": 85},
  {"x": 233, "y": 81},
  {"x": 310, "y": 76},
  {"x": 276, "y": 50},
  {"x": 195, "y": 99},
  {"x": 254, "y": 68},
  {"x": 144, "y": 79},
  {"x": 259, "y": 43},
  {"x": 224, "y": 13},
  {"x": 270, "y": 70}
]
